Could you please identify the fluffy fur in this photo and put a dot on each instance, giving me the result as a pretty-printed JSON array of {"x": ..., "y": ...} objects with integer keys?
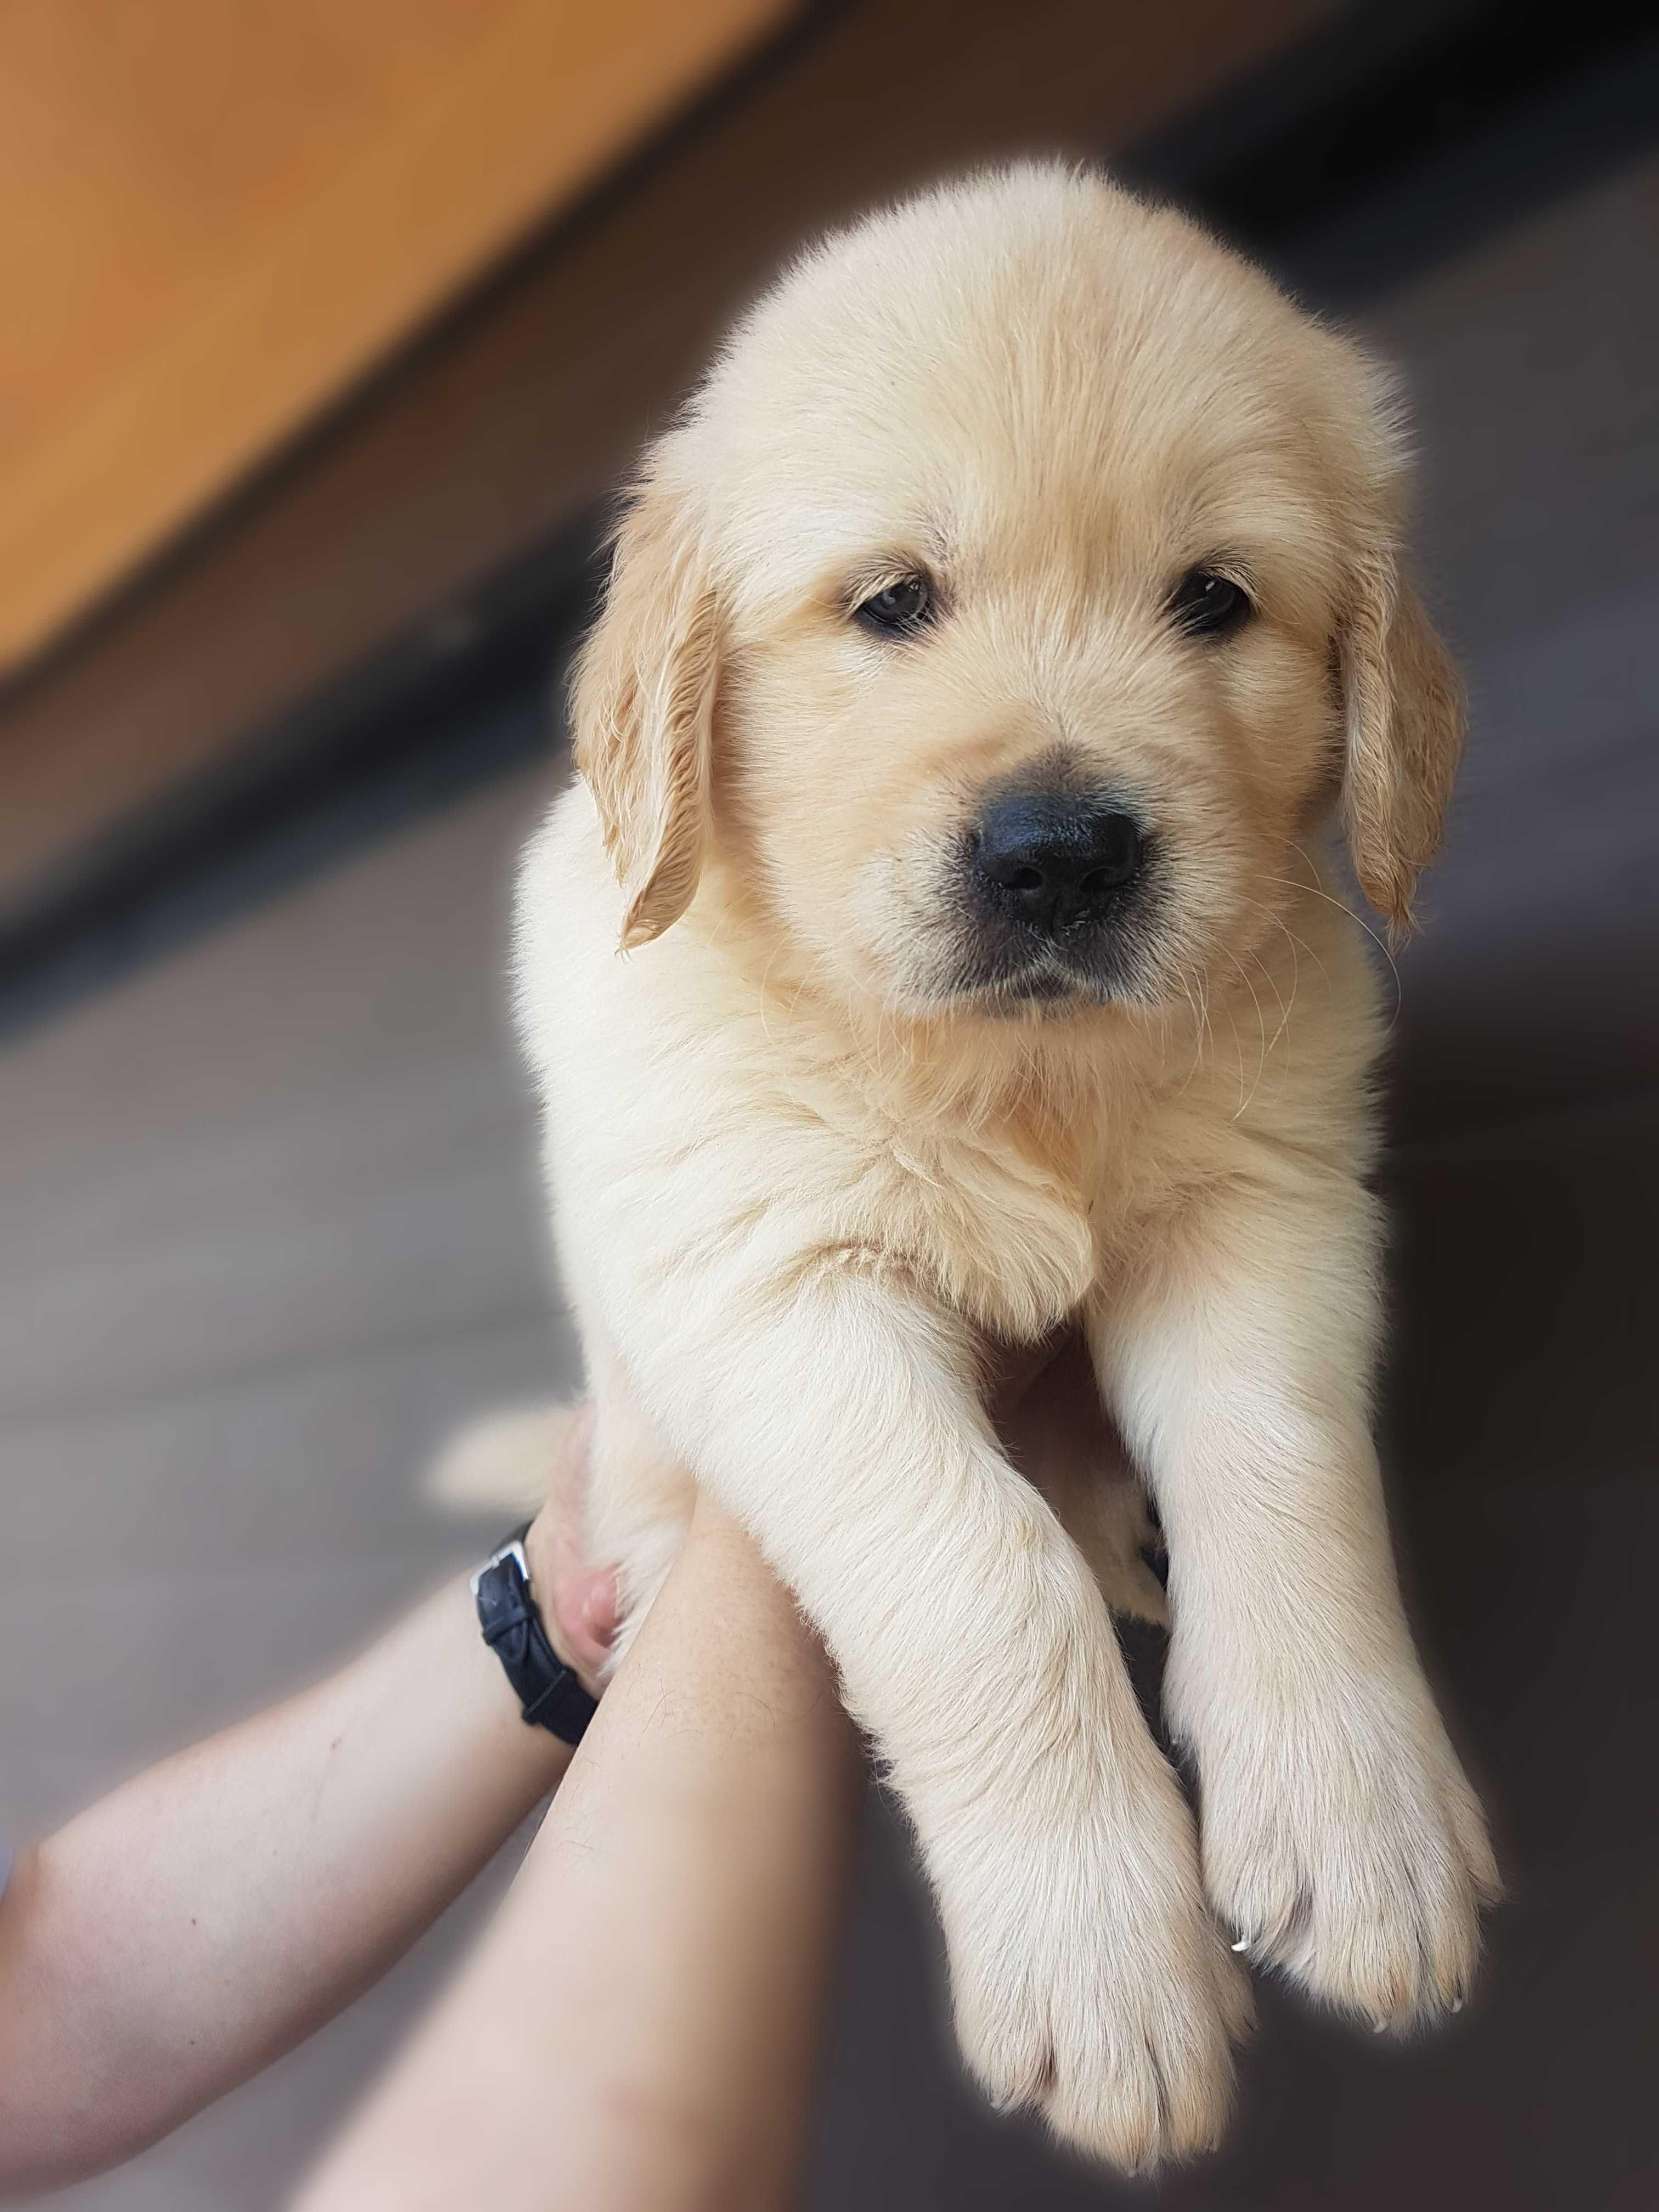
[{"x": 802, "y": 1172}]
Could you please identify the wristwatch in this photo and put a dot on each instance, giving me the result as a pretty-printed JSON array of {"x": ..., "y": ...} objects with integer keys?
[{"x": 547, "y": 1691}]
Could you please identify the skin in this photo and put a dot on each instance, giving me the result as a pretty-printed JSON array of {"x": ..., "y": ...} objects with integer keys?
[
  {"x": 200, "y": 1921},
  {"x": 676, "y": 1916}
]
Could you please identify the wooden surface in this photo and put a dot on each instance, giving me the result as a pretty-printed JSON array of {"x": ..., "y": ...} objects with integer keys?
[
  {"x": 530, "y": 406},
  {"x": 215, "y": 215}
]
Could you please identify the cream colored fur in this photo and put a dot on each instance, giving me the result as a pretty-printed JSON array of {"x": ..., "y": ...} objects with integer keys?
[{"x": 798, "y": 1186}]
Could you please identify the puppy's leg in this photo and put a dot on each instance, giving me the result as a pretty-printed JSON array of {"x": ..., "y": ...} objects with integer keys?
[
  {"x": 836, "y": 1416},
  {"x": 1340, "y": 1836}
]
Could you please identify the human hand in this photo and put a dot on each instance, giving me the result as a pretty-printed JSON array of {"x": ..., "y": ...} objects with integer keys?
[
  {"x": 678, "y": 1903},
  {"x": 577, "y": 1600}
]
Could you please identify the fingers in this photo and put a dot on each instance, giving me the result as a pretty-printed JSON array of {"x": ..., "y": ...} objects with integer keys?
[
  {"x": 585, "y": 1602},
  {"x": 580, "y": 1602}
]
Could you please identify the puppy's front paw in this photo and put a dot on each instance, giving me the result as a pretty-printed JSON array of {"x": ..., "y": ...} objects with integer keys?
[
  {"x": 1342, "y": 1842},
  {"x": 1091, "y": 1983}
]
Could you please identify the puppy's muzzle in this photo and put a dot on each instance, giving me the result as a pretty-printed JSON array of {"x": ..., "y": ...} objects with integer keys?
[{"x": 1057, "y": 864}]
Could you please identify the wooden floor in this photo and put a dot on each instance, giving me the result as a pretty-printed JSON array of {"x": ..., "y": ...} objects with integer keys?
[{"x": 269, "y": 1226}]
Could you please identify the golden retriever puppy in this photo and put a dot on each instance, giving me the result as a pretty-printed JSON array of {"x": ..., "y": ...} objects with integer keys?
[{"x": 985, "y": 650}]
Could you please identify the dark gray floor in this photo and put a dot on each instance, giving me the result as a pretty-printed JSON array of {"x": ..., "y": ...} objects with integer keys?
[{"x": 269, "y": 1225}]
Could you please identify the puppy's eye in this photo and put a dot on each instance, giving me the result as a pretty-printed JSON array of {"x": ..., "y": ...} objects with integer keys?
[
  {"x": 1204, "y": 604},
  {"x": 898, "y": 610}
]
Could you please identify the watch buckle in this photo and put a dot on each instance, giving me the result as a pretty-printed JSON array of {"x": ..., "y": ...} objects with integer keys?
[{"x": 515, "y": 1550}]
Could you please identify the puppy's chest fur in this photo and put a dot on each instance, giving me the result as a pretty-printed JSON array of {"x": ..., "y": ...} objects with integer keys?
[{"x": 1009, "y": 1216}]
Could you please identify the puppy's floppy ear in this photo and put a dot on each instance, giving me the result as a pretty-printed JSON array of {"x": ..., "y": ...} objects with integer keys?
[
  {"x": 1403, "y": 703},
  {"x": 643, "y": 708}
]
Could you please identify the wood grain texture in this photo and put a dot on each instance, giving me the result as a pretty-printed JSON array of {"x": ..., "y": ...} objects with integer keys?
[
  {"x": 525, "y": 409},
  {"x": 217, "y": 214}
]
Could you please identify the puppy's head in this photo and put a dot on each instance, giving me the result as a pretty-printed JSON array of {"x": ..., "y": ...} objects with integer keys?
[{"x": 1021, "y": 587}]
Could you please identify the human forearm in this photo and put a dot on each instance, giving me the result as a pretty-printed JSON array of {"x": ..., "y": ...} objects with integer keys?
[
  {"x": 198, "y": 1921},
  {"x": 639, "y": 2029}
]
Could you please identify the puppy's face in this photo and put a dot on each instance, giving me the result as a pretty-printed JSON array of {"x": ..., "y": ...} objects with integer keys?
[
  {"x": 1019, "y": 595},
  {"x": 1031, "y": 694}
]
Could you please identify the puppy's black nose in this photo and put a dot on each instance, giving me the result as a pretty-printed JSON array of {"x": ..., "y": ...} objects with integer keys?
[{"x": 1057, "y": 860}]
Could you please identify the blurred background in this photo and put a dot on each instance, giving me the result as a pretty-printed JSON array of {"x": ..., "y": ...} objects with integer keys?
[{"x": 328, "y": 327}]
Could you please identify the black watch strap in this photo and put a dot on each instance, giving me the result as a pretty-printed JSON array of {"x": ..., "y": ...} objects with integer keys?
[{"x": 551, "y": 1696}]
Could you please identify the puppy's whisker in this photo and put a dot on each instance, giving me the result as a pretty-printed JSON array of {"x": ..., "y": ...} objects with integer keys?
[
  {"x": 1199, "y": 985},
  {"x": 808, "y": 978},
  {"x": 1285, "y": 1006},
  {"x": 1238, "y": 1051},
  {"x": 1342, "y": 907},
  {"x": 1300, "y": 945},
  {"x": 1272, "y": 983},
  {"x": 1183, "y": 976},
  {"x": 1296, "y": 986},
  {"x": 1261, "y": 1032}
]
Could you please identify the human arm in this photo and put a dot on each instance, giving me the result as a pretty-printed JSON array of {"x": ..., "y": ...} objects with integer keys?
[
  {"x": 639, "y": 2027},
  {"x": 201, "y": 1919}
]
